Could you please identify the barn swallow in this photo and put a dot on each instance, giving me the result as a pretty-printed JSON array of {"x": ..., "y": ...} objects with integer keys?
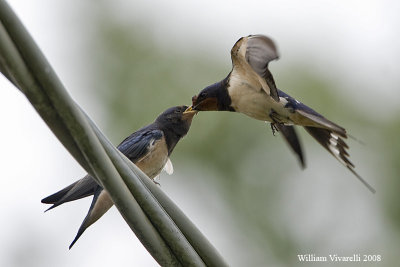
[
  {"x": 250, "y": 89},
  {"x": 149, "y": 148}
]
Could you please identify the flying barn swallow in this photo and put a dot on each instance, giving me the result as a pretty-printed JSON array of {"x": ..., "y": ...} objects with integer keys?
[
  {"x": 250, "y": 89},
  {"x": 149, "y": 148}
]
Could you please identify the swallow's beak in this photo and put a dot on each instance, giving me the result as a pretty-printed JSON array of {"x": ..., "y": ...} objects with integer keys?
[
  {"x": 189, "y": 113},
  {"x": 207, "y": 104},
  {"x": 190, "y": 110}
]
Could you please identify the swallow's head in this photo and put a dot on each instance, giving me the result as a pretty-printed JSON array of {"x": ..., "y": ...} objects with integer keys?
[
  {"x": 176, "y": 120},
  {"x": 213, "y": 98}
]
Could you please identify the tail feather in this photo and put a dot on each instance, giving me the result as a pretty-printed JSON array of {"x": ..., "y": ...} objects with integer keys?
[
  {"x": 58, "y": 195},
  {"x": 80, "y": 232},
  {"x": 84, "y": 187},
  {"x": 85, "y": 224},
  {"x": 101, "y": 203},
  {"x": 337, "y": 147},
  {"x": 306, "y": 116},
  {"x": 80, "y": 189},
  {"x": 322, "y": 122}
]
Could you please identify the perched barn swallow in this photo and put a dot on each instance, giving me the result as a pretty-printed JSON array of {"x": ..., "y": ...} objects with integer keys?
[
  {"x": 250, "y": 89},
  {"x": 149, "y": 148}
]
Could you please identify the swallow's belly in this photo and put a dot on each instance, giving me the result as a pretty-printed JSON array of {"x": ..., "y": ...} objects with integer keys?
[
  {"x": 258, "y": 105},
  {"x": 153, "y": 163}
]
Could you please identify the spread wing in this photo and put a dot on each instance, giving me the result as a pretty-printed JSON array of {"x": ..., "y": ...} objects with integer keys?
[{"x": 252, "y": 54}]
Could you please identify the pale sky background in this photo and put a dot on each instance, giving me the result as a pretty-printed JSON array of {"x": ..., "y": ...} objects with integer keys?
[{"x": 354, "y": 43}]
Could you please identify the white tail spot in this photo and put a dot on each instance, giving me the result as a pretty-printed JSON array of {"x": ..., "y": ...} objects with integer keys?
[
  {"x": 333, "y": 142},
  {"x": 334, "y": 136}
]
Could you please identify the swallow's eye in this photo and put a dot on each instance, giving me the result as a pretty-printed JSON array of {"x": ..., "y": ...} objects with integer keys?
[{"x": 203, "y": 95}]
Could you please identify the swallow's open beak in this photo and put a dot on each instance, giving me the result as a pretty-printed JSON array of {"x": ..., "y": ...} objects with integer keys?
[
  {"x": 188, "y": 114},
  {"x": 190, "y": 110},
  {"x": 207, "y": 104}
]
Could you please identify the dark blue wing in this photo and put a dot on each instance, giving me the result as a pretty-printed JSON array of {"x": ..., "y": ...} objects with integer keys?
[
  {"x": 311, "y": 115},
  {"x": 137, "y": 144},
  {"x": 296, "y": 105},
  {"x": 288, "y": 133}
]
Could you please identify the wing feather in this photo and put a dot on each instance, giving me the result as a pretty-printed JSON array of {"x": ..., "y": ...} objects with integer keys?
[
  {"x": 137, "y": 144},
  {"x": 250, "y": 57},
  {"x": 289, "y": 134},
  {"x": 260, "y": 51}
]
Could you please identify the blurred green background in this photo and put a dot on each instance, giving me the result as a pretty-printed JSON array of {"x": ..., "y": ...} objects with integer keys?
[
  {"x": 240, "y": 184},
  {"x": 253, "y": 172}
]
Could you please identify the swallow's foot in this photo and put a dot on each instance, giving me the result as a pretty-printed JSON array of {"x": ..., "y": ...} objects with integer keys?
[
  {"x": 274, "y": 128},
  {"x": 276, "y": 119}
]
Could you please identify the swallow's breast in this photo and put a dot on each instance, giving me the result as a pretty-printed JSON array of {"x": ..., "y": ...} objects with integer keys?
[
  {"x": 156, "y": 158},
  {"x": 248, "y": 97}
]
